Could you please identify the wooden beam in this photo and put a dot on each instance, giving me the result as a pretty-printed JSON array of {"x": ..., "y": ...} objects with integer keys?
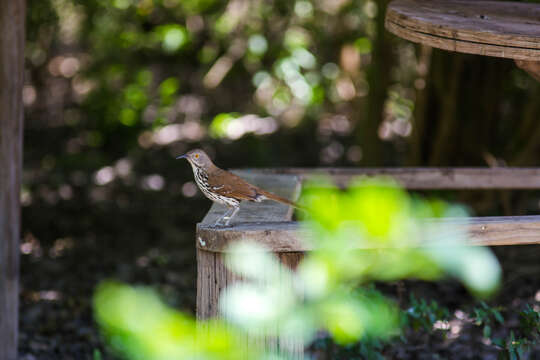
[
  {"x": 288, "y": 236},
  {"x": 268, "y": 223},
  {"x": 416, "y": 178},
  {"x": 12, "y": 23}
]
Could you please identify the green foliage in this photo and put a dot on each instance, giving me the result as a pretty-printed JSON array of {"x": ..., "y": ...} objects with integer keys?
[
  {"x": 218, "y": 128},
  {"x": 529, "y": 320},
  {"x": 399, "y": 239},
  {"x": 519, "y": 347},
  {"x": 486, "y": 316},
  {"x": 97, "y": 355},
  {"x": 140, "y": 326},
  {"x": 373, "y": 231},
  {"x": 422, "y": 315}
]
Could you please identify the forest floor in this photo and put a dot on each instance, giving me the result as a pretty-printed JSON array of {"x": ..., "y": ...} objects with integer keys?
[{"x": 57, "y": 283}]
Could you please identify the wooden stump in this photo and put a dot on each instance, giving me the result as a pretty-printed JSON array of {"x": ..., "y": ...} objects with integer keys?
[{"x": 212, "y": 274}]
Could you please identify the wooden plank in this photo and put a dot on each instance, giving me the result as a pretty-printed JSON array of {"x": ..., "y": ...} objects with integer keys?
[
  {"x": 278, "y": 237},
  {"x": 285, "y": 185},
  {"x": 12, "y": 23},
  {"x": 290, "y": 237},
  {"x": 290, "y": 347},
  {"x": 417, "y": 178},
  {"x": 206, "y": 285},
  {"x": 491, "y": 28}
]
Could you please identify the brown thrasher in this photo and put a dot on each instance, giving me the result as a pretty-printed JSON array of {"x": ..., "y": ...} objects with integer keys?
[{"x": 224, "y": 187}]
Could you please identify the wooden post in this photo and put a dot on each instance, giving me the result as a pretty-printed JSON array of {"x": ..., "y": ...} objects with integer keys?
[
  {"x": 12, "y": 22},
  {"x": 213, "y": 276}
]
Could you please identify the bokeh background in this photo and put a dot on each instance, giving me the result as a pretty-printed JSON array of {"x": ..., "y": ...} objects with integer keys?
[{"x": 114, "y": 90}]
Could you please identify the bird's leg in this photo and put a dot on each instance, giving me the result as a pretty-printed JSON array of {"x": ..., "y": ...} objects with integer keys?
[
  {"x": 234, "y": 211},
  {"x": 224, "y": 217}
]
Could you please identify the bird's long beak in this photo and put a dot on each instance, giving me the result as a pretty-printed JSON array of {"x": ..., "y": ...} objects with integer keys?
[{"x": 182, "y": 157}]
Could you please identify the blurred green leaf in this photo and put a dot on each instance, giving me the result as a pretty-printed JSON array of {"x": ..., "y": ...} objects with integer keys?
[
  {"x": 167, "y": 89},
  {"x": 363, "y": 45},
  {"x": 218, "y": 127},
  {"x": 173, "y": 37},
  {"x": 138, "y": 325}
]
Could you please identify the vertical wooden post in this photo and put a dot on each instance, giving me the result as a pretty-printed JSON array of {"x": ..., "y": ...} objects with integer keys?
[
  {"x": 213, "y": 277},
  {"x": 12, "y": 23}
]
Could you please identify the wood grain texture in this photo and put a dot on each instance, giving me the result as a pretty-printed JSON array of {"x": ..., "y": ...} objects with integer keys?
[
  {"x": 532, "y": 67},
  {"x": 290, "y": 237},
  {"x": 213, "y": 278},
  {"x": 206, "y": 281},
  {"x": 12, "y": 23},
  {"x": 292, "y": 347},
  {"x": 432, "y": 178},
  {"x": 491, "y": 28}
]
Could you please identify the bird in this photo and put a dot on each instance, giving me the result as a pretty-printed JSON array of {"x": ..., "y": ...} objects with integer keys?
[{"x": 224, "y": 187}]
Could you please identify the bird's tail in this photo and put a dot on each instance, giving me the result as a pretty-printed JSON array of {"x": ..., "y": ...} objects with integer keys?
[{"x": 280, "y": 199}]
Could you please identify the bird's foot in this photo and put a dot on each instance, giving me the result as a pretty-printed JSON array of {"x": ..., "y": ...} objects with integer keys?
[{"x": 222, "y": 222}]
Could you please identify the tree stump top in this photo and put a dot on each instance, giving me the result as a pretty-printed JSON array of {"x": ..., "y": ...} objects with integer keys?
[{"x": 490, "y": 28}]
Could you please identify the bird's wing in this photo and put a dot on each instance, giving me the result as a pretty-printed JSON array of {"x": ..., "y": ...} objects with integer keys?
[{"x": 227, "y": 184}]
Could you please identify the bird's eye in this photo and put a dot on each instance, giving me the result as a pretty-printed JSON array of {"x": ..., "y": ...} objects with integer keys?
[{"x": 196, "y": 156}]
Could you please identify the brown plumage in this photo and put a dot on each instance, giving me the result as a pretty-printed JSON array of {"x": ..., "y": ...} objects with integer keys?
[{"x": 225, "y": 187}]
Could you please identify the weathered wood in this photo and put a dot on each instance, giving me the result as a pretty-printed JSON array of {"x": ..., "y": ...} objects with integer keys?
[
  {"x": 291, "y": 346},
  {"x": 213, "y": 278},
  {"x": 431, "y": 178},
  {"x": 206, "y": 281},
  {"x": 532, "y": 67},
  {"x": 290, "y": 237},
  {"x": 12, "y": 22},
  {"x": 269, "y": 224},
  {"x": 491, "y": 28},
  {"x": 279, "y": 237}
]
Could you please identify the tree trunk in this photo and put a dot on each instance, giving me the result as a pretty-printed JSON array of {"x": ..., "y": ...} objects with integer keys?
[
  {"x": 12, "y": 23},
  {"x": 378, "y": 76},
  {"x": 447, "y": 88}
]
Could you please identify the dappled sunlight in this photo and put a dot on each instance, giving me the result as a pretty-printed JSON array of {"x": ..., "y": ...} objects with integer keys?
[
  {"x": 188, "y": 131},
  {"x": 189, "y": 189},
  {"x": 153, "y": 182},
  {"x": 29, "y": 95},
  {"x": 123, "y": 168},
  {"x": 46, "y": 295},
  {"x": 60, "y": 246},
  {"x": 82, "y": 86},
  {"x": 30, "y": 245},
  {"x": 354, "y": 154},
  {"x": 233, "y": 126},
  {"x": 331, "y": 153},
  {"x": 104, "y": 175}
]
